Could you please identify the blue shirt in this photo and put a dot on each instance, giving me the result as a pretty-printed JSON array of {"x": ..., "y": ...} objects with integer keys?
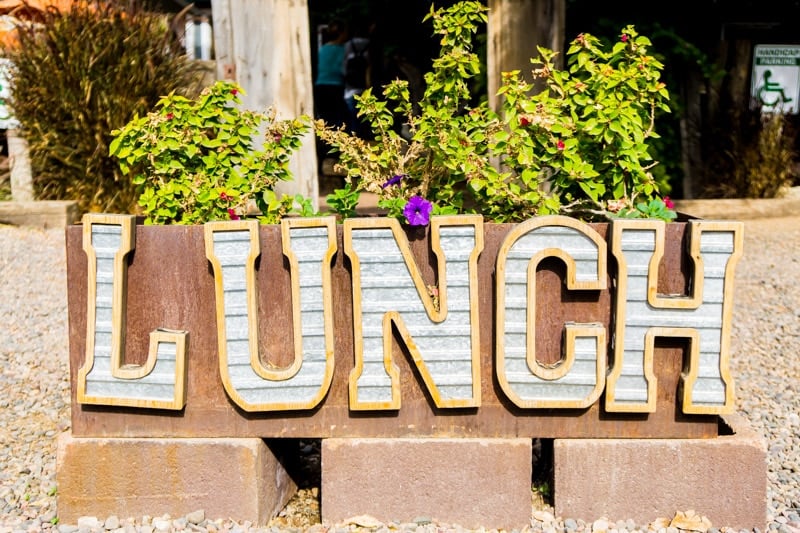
[{"x": 329, "y": 64}]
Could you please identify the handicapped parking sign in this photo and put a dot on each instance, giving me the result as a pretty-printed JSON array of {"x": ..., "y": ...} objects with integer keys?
[{"x": 775, "y": 85}]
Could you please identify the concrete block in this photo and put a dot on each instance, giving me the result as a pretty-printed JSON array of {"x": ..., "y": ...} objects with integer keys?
[
  {"x": 722, "y": 478},
  {"x": 466, "y": 482},
  {"x": 226, "y": 477},
  {"x": 39, "y": 213},
  {"x": 742, "y": 208}
]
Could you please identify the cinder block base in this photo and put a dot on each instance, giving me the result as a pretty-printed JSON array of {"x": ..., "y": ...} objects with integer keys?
[
  {"x": 468, "y": 482},
  {"x": 227, "y": 478},
  {"x": 724, "y": 479}
]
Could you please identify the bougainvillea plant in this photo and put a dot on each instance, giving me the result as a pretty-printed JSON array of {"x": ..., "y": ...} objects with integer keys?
[
  {"x": 448, "y": 144},
  {"x": 196, "y": 160},
  {"x": 577, "y": 147}
]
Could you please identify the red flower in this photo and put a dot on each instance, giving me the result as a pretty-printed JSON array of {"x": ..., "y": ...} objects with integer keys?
[
  {"x": 170, "y": 116},
  {"x": 524, "y": 121},
  {"x": 625, "y": 37},
  {"x": 560, "y": 144},
  {"x": 234, "y": 92},
  {"x": 224, "y": 197},
  {"x": 232, "y": 214},
  {"x": 669, "y": 203}
]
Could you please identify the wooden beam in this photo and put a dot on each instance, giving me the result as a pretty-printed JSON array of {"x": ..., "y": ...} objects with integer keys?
[{"x": 265, "y": 47}]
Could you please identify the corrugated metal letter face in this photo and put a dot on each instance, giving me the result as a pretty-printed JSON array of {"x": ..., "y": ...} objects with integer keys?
[
  {"x": 232, "y": 248},
  {"x": 388, "y": 289},
  {"x": 703, "y": 317},
  {"x": 578, "y": 379},
  {"x": 104, "y": 378}
]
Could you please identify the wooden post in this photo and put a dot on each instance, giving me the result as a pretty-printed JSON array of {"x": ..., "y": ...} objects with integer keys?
[
  {"x": 20, "y": 163},
  {"x": 265, "y": 47},
  {"x": 515, "y": 28}
]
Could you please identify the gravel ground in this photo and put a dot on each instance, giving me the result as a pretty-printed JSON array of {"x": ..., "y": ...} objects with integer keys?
[{"x": 34, "y": 393}]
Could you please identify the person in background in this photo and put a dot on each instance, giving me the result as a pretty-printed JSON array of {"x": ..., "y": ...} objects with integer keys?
[
  {"x": 357, "y": 74},
  {"x": 329, "y": 102}
]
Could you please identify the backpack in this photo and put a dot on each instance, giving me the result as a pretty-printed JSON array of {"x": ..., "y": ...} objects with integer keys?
[{"x": 355, "y": 67}]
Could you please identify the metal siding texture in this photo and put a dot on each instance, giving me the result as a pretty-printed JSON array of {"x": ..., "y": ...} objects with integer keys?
[
  {"x": 581, "y": 379},
  {"x": 232, "y": 249},
  {"x": 159, "y": 384},
  {"x": 381, "y": 263}
]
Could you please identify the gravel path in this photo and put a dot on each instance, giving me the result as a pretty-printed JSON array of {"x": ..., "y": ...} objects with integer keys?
[{"x": 34, "y": 390}]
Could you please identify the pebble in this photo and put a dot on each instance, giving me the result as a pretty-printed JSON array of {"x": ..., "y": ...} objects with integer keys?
[{"x": 35, "y": 392}]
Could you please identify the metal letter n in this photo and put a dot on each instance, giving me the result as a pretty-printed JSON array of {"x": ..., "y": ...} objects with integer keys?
[{"x": 443, "y": 339}]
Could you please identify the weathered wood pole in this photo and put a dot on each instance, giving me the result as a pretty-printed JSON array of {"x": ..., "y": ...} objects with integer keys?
[
  {"x": 20, "y": 163},
  {"x": 515, "y": 29},
  {"x": 265, "y": 47}
]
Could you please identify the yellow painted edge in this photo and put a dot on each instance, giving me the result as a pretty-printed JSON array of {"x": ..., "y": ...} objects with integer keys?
[
  {"x": 327, "y": 297},
  {"x": 615, "y": 234},
  {"x": 88, "y": 220},
  {"x": 178, "y": 401},
  {"x": 690, "y": 301},
  {"x": 180, "y": 339},
  {"x": 358, "y": 334},
  {"x": 727, "y": 319},
  {"x": 209, "y": 228}
]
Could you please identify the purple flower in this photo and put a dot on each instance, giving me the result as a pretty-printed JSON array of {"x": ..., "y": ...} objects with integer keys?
[
  {"x": 418, "y": 211},
  {"x": 394, "y": 180}
]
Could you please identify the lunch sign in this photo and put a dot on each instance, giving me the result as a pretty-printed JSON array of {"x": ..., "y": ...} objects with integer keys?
[{"x": 550, "y": 327}]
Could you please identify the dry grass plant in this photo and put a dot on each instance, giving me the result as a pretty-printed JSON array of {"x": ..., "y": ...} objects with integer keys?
[
  {"x": 79, "y": 74},
  {"x": 760, "y": 164}
]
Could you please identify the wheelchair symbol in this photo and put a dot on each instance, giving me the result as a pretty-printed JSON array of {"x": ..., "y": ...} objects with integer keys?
[{"x": 777, "y": 95}]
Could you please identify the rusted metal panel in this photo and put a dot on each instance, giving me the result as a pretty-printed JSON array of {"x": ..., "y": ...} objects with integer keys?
[{"x": 171, "y": 285}]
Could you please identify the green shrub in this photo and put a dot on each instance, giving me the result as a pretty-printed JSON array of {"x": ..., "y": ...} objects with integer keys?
[
  {"x": 77, "y": 76},
  {"x": 578, "y": 147},
  {"x": 196, "y": 160}
]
